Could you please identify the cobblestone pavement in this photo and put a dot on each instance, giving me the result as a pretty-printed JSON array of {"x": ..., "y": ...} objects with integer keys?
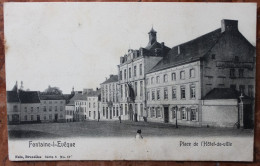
[{"x": 116, "y": 129}]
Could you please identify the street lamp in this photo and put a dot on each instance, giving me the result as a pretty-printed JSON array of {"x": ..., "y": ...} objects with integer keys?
[{"x": 238, "y": 123}]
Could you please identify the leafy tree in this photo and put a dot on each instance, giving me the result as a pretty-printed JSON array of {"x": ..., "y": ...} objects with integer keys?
[{"x": 53, "y": 91}]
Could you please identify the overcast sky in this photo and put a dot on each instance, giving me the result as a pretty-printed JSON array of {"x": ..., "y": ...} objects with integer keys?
[{"x": 79, "y": 44}]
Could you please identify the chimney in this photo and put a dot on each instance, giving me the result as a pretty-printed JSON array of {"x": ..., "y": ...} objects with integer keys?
[{"x": 229, "y": 25}]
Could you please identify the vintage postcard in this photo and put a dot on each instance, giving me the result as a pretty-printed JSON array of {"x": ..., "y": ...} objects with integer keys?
[{"x": 130, "y": 81}]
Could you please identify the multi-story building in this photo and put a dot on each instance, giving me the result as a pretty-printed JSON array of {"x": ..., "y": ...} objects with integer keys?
[
  {"x": 109, "y": 99},
  {"x": 93, "y": 105},
  {"x": 53, "y": 107},
  {"x": 132, "y": 71},
  {"x": 81, "y": 103},
  {"x": 183, "y": 87}
]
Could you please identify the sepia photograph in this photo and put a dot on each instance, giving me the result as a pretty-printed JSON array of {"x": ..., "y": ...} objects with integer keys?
[{"x": 130, "y": 81}]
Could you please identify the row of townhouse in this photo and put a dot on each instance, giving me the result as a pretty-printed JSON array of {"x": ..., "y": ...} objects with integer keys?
[
  {"x": 34, "y": 107},
  {"x": 83, "y": 106},
  {"x": 208, "y": 81}
]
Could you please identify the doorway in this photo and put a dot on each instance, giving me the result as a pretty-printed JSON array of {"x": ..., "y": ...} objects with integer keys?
[{"x": 166, "y": 114}]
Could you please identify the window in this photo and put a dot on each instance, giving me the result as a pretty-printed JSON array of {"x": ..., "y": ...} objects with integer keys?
[
  {"x": 31, "y": 109},
  {"x": 147, "y": 81},
  {"x": 232, "y": 73},
  {"x": 152, "y": 112},
  {"x": 157, "y": 79},
  {"x": 233, "y": 86},
  {"x": 44, "y": 108},
  {"x": 50, "y": 108},
  {"x": 125, "y": 74},
  {"x": 192, "y": 73},
  {"x": 173, "y": 76},
  {"x": 61, "y": 108},
  {"x": 32, "y": 117},
  {"x": 121, "y": 90},
  {"x": 182, "y": 75},
  {"x": 45, "y": 117},
  {"x": 192, "y": 92},
  {"x": 173, "y": 113},
  {"x": 193, "y": 114},
  {"x": 236, "y": 59},
  {"x": 125, "y": 109},
  {"x": 182, "y": 92},
  {"x": 50, "y": 117},
  {"x": 152, "y": 80},
  {"x": 56, "y": 108},
  {"x": 141, "y": 88},
  {"x": 121, "y": 75},
  {"x": 183, "y": 114},
  {"x": 89, "y": 114},
  {"x": 242, "y": 89},
  {"x": 250, "y": 91},
  {"x": 158, "y": 112},
  {"x": 165, "y": 78},
  {"x": 158, "y": 94},
  {"x": 113, "y": 111},
  {"x": 50, "y": 102},
  {"x": 148, "y": 96},
  {"x": 15, "y": 108},
  {"x": 136, "y": 108},
  {"x": 173, "y": 93},
  {"x": 38, "y": 109},
  {"x": 89, "y": 105},
  {"x": 116, "y": 111},
  {"x": 135, "y": 88},
  {"x": 125, "y": 90},
  {"x": 25, "y": 109},
  {"x": 141, "y": 69},
  {"x": 153, "y": 95},
  {"x": 213, "y": 56},
  {"x": 134, "y": 71},
  {"x": 129, "y": 71},
  {"x": 61, "y": 102},
  {"x": 241, "y": 73},
  {"x": 94, "y": 105},
  {"x": 165, "y": 94},
  {"x": 121, "y": 109},
  {"x": 25, "y": 117}
]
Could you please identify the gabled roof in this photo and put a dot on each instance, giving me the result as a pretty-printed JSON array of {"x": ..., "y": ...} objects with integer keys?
[
  {"x": 12, "y": 97},
  {"x": 112, "y": 78},
  {"x": 224, "y": 93},
  {"x": 51, "y": 97},
  {"x": 29, "y": 97},
  {"x": 77, "y": 96},
  {"x": 189, "y": 51}
]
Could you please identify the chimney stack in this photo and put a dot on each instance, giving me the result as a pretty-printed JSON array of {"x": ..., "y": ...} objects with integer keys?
[{"x": 229, "y": 25}]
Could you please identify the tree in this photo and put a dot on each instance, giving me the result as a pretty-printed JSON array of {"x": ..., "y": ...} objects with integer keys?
[{"x": 53, "y": 91}]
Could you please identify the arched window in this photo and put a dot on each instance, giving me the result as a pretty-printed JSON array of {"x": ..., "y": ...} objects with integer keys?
[
  {"x": 157, "y": 79},
  {"x": 192, "y": 73},
  {"x": 165, "y": 78}
]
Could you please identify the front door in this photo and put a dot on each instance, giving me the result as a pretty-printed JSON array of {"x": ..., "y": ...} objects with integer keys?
[
  {"x": 166, "y": 114},
  {"x": 110, "y": 116},
  {"x": 56, "y": 117}
]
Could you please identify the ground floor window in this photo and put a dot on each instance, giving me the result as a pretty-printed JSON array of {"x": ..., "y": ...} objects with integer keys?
[
  {"x": 32, "y": 117},
  {"x": 158, "y": 112},
  {"x": 25, "y": 117},
  {"x": 89, "y": 113},
  {"x": 121, "y": 109},
  {"x": 152, "y": 112},
  {"x": 116, "y": 111},
  {"x": 183, "y": 114},
  {"x": 103, "y": 111},
  {"x": 193, "y": 114},
  {"x": 125, "y": 109},
  {"x": 45, "y": 117},
  {"x": 50, "y": 117},
  {"x": 113, "y": 111}
]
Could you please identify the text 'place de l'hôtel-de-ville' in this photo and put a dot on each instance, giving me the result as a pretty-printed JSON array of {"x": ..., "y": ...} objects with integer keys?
[{"x": 207, "y": 81}]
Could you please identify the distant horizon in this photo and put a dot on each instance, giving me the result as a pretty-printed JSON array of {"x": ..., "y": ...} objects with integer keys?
[{"x": 74, "y": 45}]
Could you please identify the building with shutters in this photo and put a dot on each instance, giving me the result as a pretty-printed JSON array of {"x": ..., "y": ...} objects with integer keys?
[{"x": 184, "y": 86}]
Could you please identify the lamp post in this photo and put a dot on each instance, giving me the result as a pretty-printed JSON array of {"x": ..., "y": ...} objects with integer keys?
[
  {"x": 176, "y": 110},
  {"x": 240, "y": 108}
]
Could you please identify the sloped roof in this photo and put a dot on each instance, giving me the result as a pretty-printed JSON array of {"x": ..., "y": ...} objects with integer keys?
[
  {"x": 94, "y": 93},
  {"x": 12, "y": 97},
  {"x": 77, "y": 97},
  {"x": 189, "y": 51},
  {"x": 224, "y": 93},
  {"x": 29, "y": 97},
  {"x": 51, "y": 97},
  {"x": 112, "y": 78}
]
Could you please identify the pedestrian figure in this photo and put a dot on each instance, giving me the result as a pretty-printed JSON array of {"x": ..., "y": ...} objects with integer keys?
[
  {"x": 119, "y": 117},
  {"x": 138, "y": 134}
]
